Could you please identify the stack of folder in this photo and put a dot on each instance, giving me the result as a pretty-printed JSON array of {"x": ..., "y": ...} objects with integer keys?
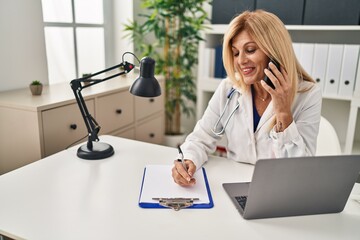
[{"x": 335, "y": 67}]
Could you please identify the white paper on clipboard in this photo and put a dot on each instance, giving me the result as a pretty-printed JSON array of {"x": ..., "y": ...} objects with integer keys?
[{"x": 158, "y": 183}]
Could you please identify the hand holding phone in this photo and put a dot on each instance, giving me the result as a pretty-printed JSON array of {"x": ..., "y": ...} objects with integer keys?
[{"x": 267, "y": 79}]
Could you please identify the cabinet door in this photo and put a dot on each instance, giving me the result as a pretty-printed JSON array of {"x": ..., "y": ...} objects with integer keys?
[
  {"x": 115, "y": 111},
  {"x": 147, "y": 106},
  {"x": 19, "y": 138},
  {"x": 151, "y": 131},
  {"x": 63, "y": 126},
  {"x": 127, "y": 133}
]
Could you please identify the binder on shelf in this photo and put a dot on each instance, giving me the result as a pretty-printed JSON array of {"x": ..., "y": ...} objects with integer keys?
[
  {"x": 333, "y": 69},
  {"x": 209, "y": 62},
  {"x": 319, "y": 64},
  {"x": 331, "y": 12},
  {"x": 348, "y": 70},
  {"x": 158, "y": 190},
  {"x": 290, "y": 12},
  {"x": 224, "y": 11},
  {"x": 297, "y": 50},
  {"x": 219, "y": 66},
  {"x": 357, "y": 80},
  {"x": 306, "y": 56}
]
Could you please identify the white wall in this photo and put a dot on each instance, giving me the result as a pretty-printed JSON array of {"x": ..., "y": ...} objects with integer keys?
[
  {"x": 22, "y": 40},
  {"x": 123, "y": 14},
  {"x": 22, "y": 44}
]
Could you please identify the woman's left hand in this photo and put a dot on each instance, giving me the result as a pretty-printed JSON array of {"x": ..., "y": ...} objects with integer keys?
[{"x": 281, "y": 95}]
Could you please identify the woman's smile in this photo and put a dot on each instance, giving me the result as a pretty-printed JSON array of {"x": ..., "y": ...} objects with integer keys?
[{"x": 247, "y": 70}]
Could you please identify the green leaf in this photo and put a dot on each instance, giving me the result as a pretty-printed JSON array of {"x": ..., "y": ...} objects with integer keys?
[{"x": 174, "y": 26}]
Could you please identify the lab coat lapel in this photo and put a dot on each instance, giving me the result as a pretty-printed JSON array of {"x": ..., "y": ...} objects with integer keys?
[
  {"x": 246, "y": 101},
  {"x": 267, "y": 115}
]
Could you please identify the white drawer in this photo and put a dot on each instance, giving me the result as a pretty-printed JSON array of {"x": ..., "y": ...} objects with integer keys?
[
  {"x": 147, "y": 106},
  {"x": 115, "y": 111},
  {"x": 151, "y": 131},
  {"x": 127, "y": 133},
  {"x": 63, "y": 126}
]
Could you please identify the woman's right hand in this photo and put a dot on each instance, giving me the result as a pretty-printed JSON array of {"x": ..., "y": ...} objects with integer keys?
[{"x": 182, "y": 176}]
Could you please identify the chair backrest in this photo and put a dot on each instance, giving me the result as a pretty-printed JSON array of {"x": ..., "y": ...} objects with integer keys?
[{"x": 327, "y": 141}]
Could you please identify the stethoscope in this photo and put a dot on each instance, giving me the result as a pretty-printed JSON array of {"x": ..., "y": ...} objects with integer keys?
[{"x": 222, "y": 130}]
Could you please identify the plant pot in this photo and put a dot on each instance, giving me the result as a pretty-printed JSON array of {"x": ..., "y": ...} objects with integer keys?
[
  {"x": 36, "y": 89},
  {"x": 174, "y": 140}
]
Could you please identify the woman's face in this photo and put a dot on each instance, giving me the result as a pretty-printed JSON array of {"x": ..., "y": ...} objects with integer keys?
[{"x": 250, "y": 61}]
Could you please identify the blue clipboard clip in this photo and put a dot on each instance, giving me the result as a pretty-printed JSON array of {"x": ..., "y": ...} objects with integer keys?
[{"x": 176, "y": 203}]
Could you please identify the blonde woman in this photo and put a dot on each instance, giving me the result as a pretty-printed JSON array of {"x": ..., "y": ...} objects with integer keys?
[{"x": 258, "y": 121}]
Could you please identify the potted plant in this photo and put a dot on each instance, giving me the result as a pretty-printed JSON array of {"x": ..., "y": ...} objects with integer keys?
[
  {"x": 84, "y": 75},
  {"x": 171, "y": 33},
  {"x": 36, "y": 87}
]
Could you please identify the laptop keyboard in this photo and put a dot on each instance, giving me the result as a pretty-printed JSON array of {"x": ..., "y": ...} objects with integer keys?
[{"x": 242, "y": 201}]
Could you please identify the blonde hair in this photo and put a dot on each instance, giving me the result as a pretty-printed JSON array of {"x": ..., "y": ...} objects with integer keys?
[{"x": 271, "y": 36}]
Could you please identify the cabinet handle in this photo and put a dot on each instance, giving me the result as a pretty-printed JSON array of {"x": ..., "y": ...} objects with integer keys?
[
  {"x": 73, "y": 126},
  {"x": 318, "y": 80},
  {"x": 152, "y": 135},
  {"x": 118, "y": 111},
  {"x": 151, "y": 100},
  {"x": 347, "y": 82},
  {"x": 332, "y": 81}
]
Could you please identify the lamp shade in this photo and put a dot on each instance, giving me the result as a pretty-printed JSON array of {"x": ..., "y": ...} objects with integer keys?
[{"x": 146, "y": 84}]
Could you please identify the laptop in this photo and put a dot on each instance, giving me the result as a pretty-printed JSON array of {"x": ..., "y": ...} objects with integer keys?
[{"x": 296, "y": 186}]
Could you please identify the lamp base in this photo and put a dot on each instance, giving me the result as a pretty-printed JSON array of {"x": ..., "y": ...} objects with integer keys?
[{"x": 100, "y": 151}]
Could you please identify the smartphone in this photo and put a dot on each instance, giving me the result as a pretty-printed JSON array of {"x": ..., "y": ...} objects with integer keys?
[{"x": 267, "y": 79}]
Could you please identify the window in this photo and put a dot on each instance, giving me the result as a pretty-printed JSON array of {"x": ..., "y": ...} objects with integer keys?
[{"x": 74, "y": 38}]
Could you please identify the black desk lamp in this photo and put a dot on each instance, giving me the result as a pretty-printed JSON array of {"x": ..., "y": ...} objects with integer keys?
[{"x": 144, "y": 86}]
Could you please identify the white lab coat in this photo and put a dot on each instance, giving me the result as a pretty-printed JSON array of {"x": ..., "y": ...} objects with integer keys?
[{"x": 245, "y": 145}]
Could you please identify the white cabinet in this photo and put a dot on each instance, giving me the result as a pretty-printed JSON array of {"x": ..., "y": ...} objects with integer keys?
[
  {"x": 66, "y": 123},
  {"x": 339, "y": 110},
  {"x": 114, "y": 111},
  {"x": 33, "y": 127},
  {"x": 149, "y": 130},
  {"x": 149, "y": 125}
]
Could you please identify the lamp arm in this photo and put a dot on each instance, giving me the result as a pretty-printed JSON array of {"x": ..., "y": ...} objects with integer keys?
[
  {"x": 127, "y": 68},
  {"x": 145, "y": 85},
  {"x": 92, "y": 126}
]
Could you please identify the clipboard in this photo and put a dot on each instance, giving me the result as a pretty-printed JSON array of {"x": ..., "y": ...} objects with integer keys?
[{"x": 158, "y": 190}]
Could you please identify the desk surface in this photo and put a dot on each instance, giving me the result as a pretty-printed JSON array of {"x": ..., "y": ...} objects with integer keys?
[{"x": 64, "y": 197}]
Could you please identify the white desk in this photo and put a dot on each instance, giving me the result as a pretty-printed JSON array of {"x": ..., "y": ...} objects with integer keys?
[{"x": 64, "y": 197}]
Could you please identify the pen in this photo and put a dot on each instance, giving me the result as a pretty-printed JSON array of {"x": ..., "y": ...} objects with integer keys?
[{"x": 182, "y": 158}]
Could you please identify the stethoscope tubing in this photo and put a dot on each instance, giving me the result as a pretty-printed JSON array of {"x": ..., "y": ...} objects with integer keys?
[{"x": 222, "y": 130}]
